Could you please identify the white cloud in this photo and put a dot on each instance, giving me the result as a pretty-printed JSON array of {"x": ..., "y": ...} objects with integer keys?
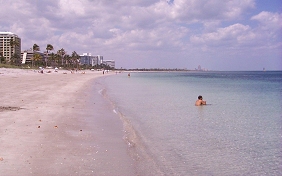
[
  {"x": 265, "y": 35},
  {"x": 73, "y": 8},
  {"x": 191, "y": 10},
  {"x": 178, "y": 27},
  {"x": 228, "y": 37},
  {"x": 269, "y": 21}
]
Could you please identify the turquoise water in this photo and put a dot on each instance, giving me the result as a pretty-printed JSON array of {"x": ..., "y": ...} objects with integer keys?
[{"x": 238, "y": 133}]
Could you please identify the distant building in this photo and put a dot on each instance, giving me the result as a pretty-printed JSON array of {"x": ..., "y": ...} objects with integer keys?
[
  {"x": 110, "y": 63},
  {"x": 6, "y": 49},
  {"x": 100, "y": 59},
  {"x": 26, "y": 56},
  {"x": 199, "y": 68},
  {"x": 88, "y": 59},
  {"x": 85, "y": 59}
]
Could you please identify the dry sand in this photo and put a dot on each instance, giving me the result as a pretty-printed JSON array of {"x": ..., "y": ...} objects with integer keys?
[{"x": 46, "y": 127}]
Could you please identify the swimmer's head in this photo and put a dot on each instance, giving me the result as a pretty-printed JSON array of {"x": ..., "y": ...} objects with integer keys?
[{"x": 200, "y": 97}]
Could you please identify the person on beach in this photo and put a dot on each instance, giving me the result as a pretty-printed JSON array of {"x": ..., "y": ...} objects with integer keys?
[{"x": 200, "y": 101}]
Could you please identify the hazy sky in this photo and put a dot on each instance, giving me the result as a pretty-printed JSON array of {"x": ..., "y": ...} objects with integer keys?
[{"x": 216, "y": 34}]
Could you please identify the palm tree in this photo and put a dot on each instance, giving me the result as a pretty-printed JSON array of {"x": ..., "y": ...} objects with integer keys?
[
  {"x": 15, "y": 59},
  {"x": 48, "y": 48},
  {"x": 13, "y": 43},
  {"x": 35, "y": 47},
  {"x": 75, "y": 57},
  {"x": 68, "y": 60},
  {"x": 62, "y": 53},
  {"x": 57, "y": 58},
  {"x": 2, "y": 58},
  {"x": 53, "y": 59},
  {"x": 35, "y": 55}
]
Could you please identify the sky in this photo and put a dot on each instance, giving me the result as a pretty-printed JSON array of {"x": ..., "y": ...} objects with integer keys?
[{"x": 216, "y": 34}]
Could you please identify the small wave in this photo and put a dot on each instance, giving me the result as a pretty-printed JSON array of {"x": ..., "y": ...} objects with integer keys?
[
  {"x": 115, "y": 111},
  {"x": 136, "y": 147},
  {"x": 100, "y": 91}
]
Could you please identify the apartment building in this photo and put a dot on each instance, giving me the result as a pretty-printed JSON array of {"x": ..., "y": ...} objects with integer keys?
[
  {"x": 26, "y": 56},
  {"x": 110, "y": 63},
  {"x": 88, "y": 59},
  {"x": 6, "y": 49}
]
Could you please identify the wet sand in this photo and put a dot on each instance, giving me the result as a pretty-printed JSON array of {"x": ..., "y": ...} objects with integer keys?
[{"x": 51, "y": 124}]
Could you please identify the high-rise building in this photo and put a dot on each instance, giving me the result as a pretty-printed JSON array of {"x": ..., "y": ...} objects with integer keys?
[
  {"x": 8, "y": 49},
  {"x": 88, "y": 59},
  {"x": 100, "y": 59}
]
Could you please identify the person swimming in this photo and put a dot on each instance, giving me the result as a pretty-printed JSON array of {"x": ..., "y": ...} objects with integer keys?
[{"x": 200, "y": 101}]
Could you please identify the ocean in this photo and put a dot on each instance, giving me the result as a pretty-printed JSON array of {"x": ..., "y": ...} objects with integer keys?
[{"x": 238, "y": 132}]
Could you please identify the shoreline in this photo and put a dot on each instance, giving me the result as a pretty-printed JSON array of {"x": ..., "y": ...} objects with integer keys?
[{"x": 48, "y": 126}]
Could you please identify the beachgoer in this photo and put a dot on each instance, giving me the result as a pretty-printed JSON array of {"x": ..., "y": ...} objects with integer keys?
[{"x": 200, "y": 101}]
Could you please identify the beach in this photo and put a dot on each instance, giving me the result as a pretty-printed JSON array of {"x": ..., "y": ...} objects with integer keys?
[
  {"x": 51, "y": 125},
  {"x": 90, "y": 123}
]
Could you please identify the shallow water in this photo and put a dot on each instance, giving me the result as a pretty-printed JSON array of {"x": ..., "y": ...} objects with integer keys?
[{"x": 237, "y": 133}]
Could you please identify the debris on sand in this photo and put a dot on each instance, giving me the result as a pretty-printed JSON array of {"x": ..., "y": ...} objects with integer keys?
[{"x": 9, "y": 108}]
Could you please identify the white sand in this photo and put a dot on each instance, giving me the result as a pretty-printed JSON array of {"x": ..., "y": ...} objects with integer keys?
[{"x": 44, "y": 128}]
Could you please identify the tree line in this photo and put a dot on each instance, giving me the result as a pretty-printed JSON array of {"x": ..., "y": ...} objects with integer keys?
[
  {"x": 57, "y": 59},
  {"x": 49, "y": 58}
]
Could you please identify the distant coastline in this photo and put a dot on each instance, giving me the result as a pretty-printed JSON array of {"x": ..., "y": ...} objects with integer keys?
[
  {"x": 188, "y": 70},
  {"x": 155, "y": 69}
]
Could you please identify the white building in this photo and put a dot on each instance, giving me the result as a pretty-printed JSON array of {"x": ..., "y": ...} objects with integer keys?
[
  {"x": 110, "y": 63},
  {"x": 6, "y": 49},
  {"x": 88, "y": 59},
  {"x": 26, "y": 56},
  {"x": 99, "y": 59}
]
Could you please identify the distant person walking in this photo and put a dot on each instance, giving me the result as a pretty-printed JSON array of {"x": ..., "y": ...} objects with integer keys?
[{"x": 200, "y": 101}]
